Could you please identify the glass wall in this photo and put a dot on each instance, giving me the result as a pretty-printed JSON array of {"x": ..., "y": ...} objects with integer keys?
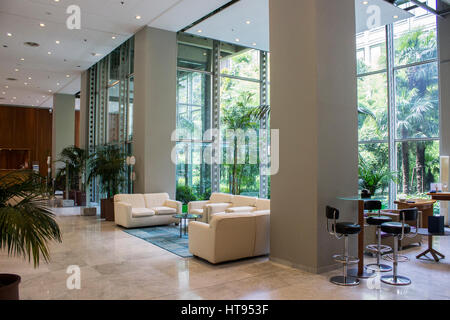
[
  {"x": 398, "y": 107},
  {"x": 217, "y": 86},
  {"x": 111, "y": 92}
]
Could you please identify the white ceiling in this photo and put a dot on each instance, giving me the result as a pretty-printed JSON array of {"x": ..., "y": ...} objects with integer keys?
[
  {"x": 231, "y": 24},
  {"x": 100, "y": 21}
]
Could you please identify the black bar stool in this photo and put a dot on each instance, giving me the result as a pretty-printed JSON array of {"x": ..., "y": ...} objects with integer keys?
[
  {"x": 399, "y": 230},
  {"x": 342, "y": 230},
  {"x": 378, "y": 249}
]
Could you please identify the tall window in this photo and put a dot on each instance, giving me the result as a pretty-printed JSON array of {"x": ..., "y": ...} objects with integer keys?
[
  {"x": 398, "y": 107},
  {"x": 217, "y": 85}
]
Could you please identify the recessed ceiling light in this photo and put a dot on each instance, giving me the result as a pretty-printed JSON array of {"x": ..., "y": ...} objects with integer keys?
[
  {"x": 199, "y": 30},
  {"x": 49, "y": 52},
  {"x": 49, "y": 90},
  {"x": 395, "y": 17},
  {"x": 56, "y": 0},
  {"x": 96, "y": 54},
  {"x": 237, "y": 40},
  {"x": 254, "y": 43},
  {"x": 31, "y": 44},
  {"x": 6, "y": 87},
  {"x": 365, "y": 2},
  {"x": 138, "y": 17},
  {"x": 113, "y": 37},
  {"x": 248, "y": 22},
  {"x": 57, "y": 42},
  {"x": 9, "y": 34},
  {"x": 16, "y": 70},
  {"x": 29, "y": 78},
  {"x": 43, "y": 96},
  {"x": 42, "y": 25},
  {"x": 3, "y": 92},
  {"x": 25, "y": 83},
  {"x": 14, "y": 98},
  {"x": 67, "y": 75},
  {"x": 57, "y": 83},
  {"x": 22, "y": 59}
]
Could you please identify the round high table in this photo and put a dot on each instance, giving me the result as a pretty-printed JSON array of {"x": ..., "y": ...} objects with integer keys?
[{"x": 361, "y": 272}]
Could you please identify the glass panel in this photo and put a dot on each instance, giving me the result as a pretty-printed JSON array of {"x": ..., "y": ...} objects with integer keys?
[
  {"x": 240, "y": 168},
  {"x": 114, "y": 65},
  {"x": 113, "y": 114},
  {"x": 417, "y": 101},
  {"x": 374, "y": 174},
  {"x": 415, "y": 38},
  {"x": 193, "y": 104},
  {"x": 373, "y": 107},
  {"x": 418, "y": 166},
  {"x": 245, "y": 63},
  {"x": 371, "y": 50},
  {"x": 194, "y": 57},
  {"x": 130, "y": 108},
  {"x": 193, "y": 175}
]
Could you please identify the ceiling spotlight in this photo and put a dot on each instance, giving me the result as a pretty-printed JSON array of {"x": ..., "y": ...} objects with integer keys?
[
  {"x": 237, "y": 40},
  {"x": 57, "y": 42},
  {"x": 49, "y": 52},
  {"x": 56, "y": 0},
  {"x": 96, "y": 54},
  {"x": 14, "y": 98},
  {"x": 248, "y": 22},
  {"x": 42, "y": 25},
  {"x": 49, "y": 90},
  {"x": 29, "y": 78},
  {"x": 57, "y": 83},
  {"x": 199, "y": 30},
  {"x": 113, "y": 37},
  {"x": 3, "y": 92},
  {"x": 9, "y": 34},
  {"x": 16, "y": 70},
  {"x": 138, "y": 17},
  {"x": 254, "y": 43},
  {"x": 365, "y": 2},
  {"x": 67, "y": 75},
  {"x": 25, "y": 83},
  {"x": 395, "y": 17},
  {"x": 6, "y": 87},
  {"x": 22, "y": 59}
]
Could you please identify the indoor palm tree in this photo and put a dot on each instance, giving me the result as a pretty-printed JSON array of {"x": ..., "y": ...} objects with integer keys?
[
  {"x": 74, "y": 159},
  {"x": 26, "y": 223}
]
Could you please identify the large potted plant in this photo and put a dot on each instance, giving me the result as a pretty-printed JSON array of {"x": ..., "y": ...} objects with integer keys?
[
  {"x": 26, "y": 224},
  {"x": 74, "y": 160},
  {"x": 108, "y": 165}
]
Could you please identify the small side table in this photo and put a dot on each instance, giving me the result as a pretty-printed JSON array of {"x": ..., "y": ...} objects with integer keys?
[
  {"x": 436, "y": 254},
  {"x": 186, "y": 217}
]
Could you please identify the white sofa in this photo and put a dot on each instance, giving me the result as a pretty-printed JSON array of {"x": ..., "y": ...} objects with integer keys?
[
  {"x": 144, "y": 210},
  {"x": 223, "y": 202},
  {"x": 231, "y": 236}
]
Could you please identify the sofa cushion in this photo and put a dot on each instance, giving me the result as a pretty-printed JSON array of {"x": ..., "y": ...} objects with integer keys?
[
  {"x": 221, "y": 197},
  {"x": 136, "y": 200},
  {"x": 141, "y": 212},
  {"x": 243, "y": 201},
  {"x": 155, "y": 199},
  {"x": 262, "y": 204},
  {"x": 240, "y": 209},
  {"x": 160, "y": 211}
]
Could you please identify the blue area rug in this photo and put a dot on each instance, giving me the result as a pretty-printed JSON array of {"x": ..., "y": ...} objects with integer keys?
[{"x": 165, "y": 237}]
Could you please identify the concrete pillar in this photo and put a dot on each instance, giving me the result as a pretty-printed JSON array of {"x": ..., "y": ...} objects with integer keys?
[
  {"x": 154, "y": 113},
  {"x": 314, "y": 105},
  {"x": 444, "y": 74},
  {"x": 63, "y": 134},
  {"x": 84, "y": 116}
]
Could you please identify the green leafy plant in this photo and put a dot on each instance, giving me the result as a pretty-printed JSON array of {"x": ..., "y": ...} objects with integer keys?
[
  {"x": 373, "y": 178},
  {"x": 185, "y": 194},
  {"x": 108, "y": 165},
  {"x": 74, "y": 159},
  {"x": 26, "y": 223}
]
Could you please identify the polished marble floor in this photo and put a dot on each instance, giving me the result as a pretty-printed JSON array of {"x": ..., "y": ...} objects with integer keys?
[{"x": 116, "y": 265}]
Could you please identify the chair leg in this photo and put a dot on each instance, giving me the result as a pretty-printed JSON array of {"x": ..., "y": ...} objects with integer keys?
[
  {"x": 395, "y": 279},
  {"x": 345, "y": 279}
]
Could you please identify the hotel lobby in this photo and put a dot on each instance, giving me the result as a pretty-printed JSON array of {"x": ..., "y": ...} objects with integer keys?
[{"x": 224, "y": 150}]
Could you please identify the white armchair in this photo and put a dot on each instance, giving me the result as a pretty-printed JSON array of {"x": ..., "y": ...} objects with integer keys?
[{"x": 141, "y": 210}]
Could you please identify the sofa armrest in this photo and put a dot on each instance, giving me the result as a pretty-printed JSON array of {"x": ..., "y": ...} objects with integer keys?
[
  {"x": 201, "y": 240},
  {"x": 197, "y": 205},
  {"x": 241, "y": 209},
  {"x": 122, "y": 213},
  {"x": 175, "y": 204},
  {"x": 217, "y": 207}
]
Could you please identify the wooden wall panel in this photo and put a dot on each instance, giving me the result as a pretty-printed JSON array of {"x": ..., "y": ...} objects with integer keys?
[{"x": 27, "y": 128}]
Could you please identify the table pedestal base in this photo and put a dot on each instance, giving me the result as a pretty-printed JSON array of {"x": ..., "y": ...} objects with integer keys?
[{"x": 436, "y": 254}]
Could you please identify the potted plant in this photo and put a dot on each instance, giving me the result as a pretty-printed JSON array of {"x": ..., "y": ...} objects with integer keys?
[
  {"x": 108, "y": 165},
  {"x": 372, "y": 178},
  {"x": 26, "y": 224},
  {"x": 74, "y": 159}
]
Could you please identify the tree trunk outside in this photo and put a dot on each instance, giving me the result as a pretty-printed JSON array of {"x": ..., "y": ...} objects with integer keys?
[{"x": 405, "y": 167}]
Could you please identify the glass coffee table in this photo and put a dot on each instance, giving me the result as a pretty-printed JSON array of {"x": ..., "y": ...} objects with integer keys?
[{"x": 186, "y": 217}]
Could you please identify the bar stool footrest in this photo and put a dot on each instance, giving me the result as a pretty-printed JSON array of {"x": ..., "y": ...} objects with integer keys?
[
  {"x": 374, "y": 248},
  {"x": 343, "y": 259},
  {"x": 390, "y": 258}
]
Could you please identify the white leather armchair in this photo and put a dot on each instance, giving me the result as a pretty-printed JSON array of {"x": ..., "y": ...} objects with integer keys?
[{"x": 230, "y": 236}]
